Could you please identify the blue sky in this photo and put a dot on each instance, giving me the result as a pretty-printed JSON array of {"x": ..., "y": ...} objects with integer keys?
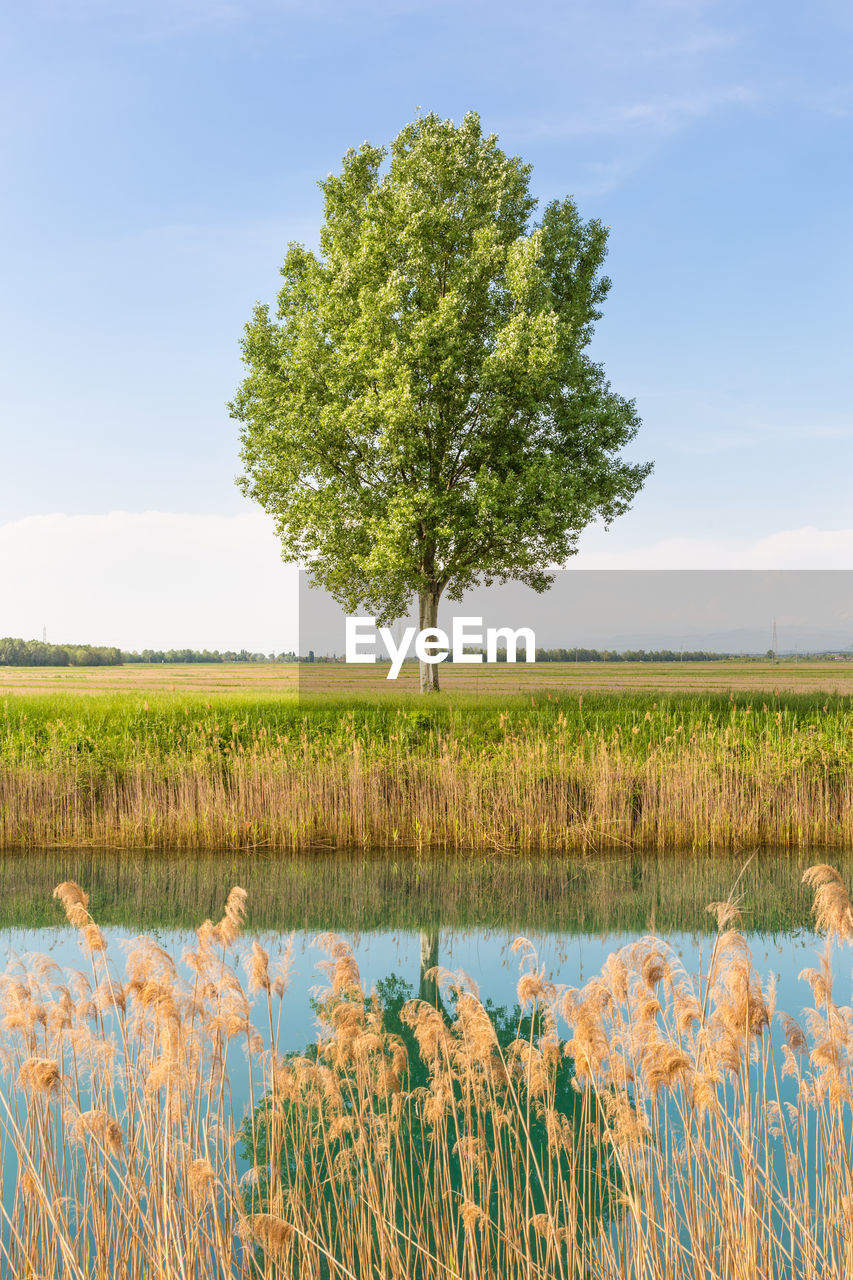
[{"x": 157, "y": 158}]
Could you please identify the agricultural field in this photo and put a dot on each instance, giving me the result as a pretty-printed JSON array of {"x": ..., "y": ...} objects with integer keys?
[{"x": 338, "y": 679}]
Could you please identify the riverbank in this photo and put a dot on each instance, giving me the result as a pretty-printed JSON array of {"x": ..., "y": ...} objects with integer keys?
[{"x": 629, "y": 771}]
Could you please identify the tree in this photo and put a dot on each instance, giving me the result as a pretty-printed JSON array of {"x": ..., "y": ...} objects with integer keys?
[{"x": 422, "y": 414}]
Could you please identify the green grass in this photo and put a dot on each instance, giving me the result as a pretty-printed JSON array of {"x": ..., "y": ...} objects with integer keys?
[
  {"x": 542, "y": 771},
  {"x": 113, "y": 730}
]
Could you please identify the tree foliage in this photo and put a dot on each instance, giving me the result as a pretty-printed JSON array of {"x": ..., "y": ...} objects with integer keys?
[{"x": 422, "y": 413}]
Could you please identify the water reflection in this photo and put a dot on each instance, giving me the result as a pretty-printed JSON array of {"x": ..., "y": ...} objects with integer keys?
[
  {"x": 631, "y": 894},
  {"x": 407, "y": 916},
  {"x": 404, "y": 920}
]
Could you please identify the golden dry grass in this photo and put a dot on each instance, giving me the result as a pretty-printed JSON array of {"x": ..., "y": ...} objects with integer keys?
[
  {"x": 528, "y": 790},
  {"x": 263, "y": 679},
  {"x": 529, "y": 800},
  {"x": 710, "y": 1135},
  {"x": 503, "y": 680}
]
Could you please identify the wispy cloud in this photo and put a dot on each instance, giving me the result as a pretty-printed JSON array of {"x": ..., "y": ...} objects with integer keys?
[
  {"x": 153, "y": 20},
  {"x": 631, "y": 134},
  {"x": 654, "y": 115},
  {"x": 165, "y": 579},
  {"x": 805, "y": 548}
]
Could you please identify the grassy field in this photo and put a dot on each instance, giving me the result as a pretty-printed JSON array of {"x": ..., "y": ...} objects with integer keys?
[
  {"x": 259, "y": 768},
  {"x": 278, "y": 680}
]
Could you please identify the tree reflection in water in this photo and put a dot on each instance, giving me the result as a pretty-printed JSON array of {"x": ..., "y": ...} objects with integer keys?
[{"x": 421, "y": 1127}]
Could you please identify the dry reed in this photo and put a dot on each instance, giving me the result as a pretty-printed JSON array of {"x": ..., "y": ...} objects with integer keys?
[{"x": 701, "y": 1142}]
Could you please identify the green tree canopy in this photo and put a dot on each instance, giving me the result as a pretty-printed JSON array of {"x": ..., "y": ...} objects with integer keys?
[{"x": 422, "y": 414}]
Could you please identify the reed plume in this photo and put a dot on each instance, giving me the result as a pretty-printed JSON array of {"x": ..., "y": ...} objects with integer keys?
[{"x": 650, "y": 1122}]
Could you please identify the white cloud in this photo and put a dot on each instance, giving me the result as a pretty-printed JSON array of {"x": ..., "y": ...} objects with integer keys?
[
  {"x": 805, "y": 548},
  {"x": 161, "y": 580},
  {"x": 148, "y": 580}
]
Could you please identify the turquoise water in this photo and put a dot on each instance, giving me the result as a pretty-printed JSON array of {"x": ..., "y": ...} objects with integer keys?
[
  {"x": 452, "y": 936},
  {"x": 402, "y": 915},
  {"x": 485, "y": 955}
]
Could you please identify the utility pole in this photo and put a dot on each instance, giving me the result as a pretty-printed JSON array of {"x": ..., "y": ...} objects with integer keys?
[
  {"x": 44, "y": 634},
  {"x": 775, "y": 651}
]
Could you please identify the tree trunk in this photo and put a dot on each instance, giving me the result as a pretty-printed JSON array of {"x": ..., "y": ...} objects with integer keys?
[
  {"x": 428, "y": 600},
  {"x": 428, "y": 989}
]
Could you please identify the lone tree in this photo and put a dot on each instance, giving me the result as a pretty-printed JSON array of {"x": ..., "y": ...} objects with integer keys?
[{"x": 422, "y": 414}]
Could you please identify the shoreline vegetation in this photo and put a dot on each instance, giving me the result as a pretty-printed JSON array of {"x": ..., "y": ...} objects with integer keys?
[
  {"x": 650, "y": 1122},
  {"x": 543, "y": 772}
]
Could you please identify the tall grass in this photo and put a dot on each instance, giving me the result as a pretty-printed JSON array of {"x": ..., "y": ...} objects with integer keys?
[
  {"x": 706, "y": 1133},
  {"x": 610, "y": 771}
]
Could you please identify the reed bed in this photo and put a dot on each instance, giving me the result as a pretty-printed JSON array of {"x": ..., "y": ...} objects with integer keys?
[
  {"x": 630, "y": 772},
  {"x": 651, "y": 1124}
]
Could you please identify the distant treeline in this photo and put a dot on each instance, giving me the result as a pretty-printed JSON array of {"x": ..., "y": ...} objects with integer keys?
[
  {"x": 36, "y": 653},
  {"x": 204, "y": 655},
  {"x": 627, "y": 655},
  {"x": 577, "y": 655}
]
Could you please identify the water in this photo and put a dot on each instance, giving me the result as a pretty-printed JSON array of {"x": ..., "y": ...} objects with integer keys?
[{"x": 403, "y": 913}]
